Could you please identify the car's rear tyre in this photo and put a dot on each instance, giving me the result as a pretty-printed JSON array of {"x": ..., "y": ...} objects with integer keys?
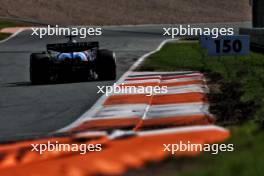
[
  {"x": 39, "y": 68},
  {"x": 106, "y": 65}
]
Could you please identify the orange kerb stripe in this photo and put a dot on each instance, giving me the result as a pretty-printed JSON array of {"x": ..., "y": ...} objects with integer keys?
[
  {"x": 170, "y": 84},
  {"x": 156, "y": 99}
]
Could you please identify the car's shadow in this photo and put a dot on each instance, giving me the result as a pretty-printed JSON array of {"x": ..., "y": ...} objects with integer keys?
[
  {"x": 17, "y": 84},
  {"x": 28, "y": 83}
]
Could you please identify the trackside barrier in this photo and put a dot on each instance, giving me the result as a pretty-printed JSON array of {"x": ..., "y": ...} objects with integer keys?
[{"x": 118, "y": 155}]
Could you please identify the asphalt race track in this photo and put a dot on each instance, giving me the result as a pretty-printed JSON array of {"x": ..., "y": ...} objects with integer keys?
[{"x": 36, "y": 110}]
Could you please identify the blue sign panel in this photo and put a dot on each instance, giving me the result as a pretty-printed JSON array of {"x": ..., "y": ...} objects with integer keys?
[
  {"x": 227, "y": 45},
  {"x": 203, "y": 41}
]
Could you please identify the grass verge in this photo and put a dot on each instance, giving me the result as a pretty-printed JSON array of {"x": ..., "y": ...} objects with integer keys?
[
  {"x": 237, "y": 100},
  {"x": 4, "y": 35},
  {"x": 5, "y": 24}
]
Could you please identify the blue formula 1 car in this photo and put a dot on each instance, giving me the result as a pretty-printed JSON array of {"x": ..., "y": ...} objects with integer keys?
[{"x": 72, "y": 61}]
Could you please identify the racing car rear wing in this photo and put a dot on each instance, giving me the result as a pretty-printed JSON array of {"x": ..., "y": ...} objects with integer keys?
[{"x": 72, "y": 47}]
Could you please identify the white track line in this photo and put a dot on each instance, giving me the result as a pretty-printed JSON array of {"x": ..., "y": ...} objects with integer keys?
[
  {"x": 13, "y": 35},
  {"x": 98, "y": 104}
]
